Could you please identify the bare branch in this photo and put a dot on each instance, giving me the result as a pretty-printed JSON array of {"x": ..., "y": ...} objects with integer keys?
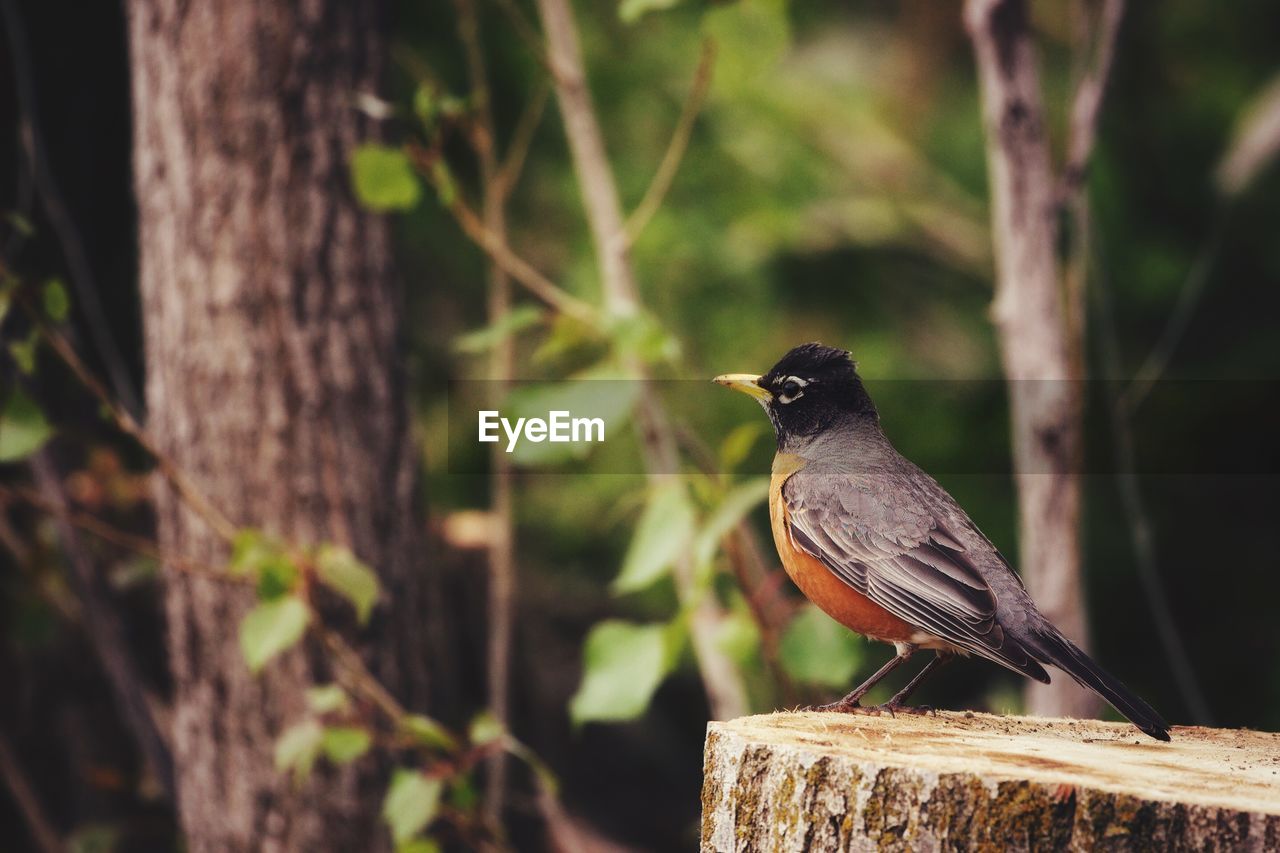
[
  {"x": 720, "y": 677},
  {"x": 126, "y": 423},
  {"x": 1087, "y": 104},
  {"x": 1184, "y": 310},
  {"x": 1141, "y": 531},
  {"x": 64, "y": 224},
  {"x": 513, "y": 164},
  {"x": 1030, "y": 324},
  {"x": 670, "y": 163},
  {"x": 501, "y": 552},
  {"x": 528, "y": 33},
  {"x": 510, "y": 263},
  {"x": 108, "y": 533},
  {"x": 590, "y": 160},
  {"x": 24, "y": 794},
  {"x": 103, "y": 625}
]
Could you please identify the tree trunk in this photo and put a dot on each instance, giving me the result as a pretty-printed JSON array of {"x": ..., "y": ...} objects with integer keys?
[
  {"x": 274, "y": 382},
  {"x": 790, "y": 782},
  {"x": 1031, "y": 326}
]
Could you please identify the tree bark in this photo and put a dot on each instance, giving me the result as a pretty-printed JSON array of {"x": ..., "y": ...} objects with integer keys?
[
  {"x": 1031, "y": 326},
  {"x": 785, "y": 782},
  {"x": 274, "y": 382}
]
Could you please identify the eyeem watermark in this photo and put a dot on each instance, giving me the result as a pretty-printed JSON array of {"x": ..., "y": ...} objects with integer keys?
[
  {"x": 568, "y": 426},
  {"x": 559, "y": 427}
]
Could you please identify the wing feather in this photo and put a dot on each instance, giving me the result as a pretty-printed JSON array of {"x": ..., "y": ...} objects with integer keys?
[{"x": 886, "y": 545}]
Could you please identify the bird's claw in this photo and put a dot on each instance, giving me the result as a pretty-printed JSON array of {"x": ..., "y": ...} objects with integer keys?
[
  {"x": 839, "y": 707},
  {"x": 893, "y": 709}
]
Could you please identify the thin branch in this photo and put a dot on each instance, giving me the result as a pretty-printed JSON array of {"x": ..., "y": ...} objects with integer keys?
[
  {"x": 596, "y": 184},
  {"x": 103, "y": 625},
  {"x": 676, "y": 148},
  {"x": 742, "y": 548},
  {"x": 528, "y": 33},
  {"x": 64, "y": 225},
  {"x": 521, "y": 139},
  {"x": 1193, "y": 288},
  {"x": 497, "y": 249},
  {"x": 126, "y": 423},
  {"x": 501, "y": 551},
  {"x": 1035, "y": 348},
  {"x": 1087, "y": 104},
  {"x": 362, "y": 680},
  {"x": 1141, "y": 531},
  {"x": 108, "y": 533},
  {"x": 725, "y": 691},
  {"x": 24, "y": 794}
]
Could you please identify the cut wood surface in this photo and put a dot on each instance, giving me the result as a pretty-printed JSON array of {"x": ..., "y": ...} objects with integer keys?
[{"x": 825, "y": 781}]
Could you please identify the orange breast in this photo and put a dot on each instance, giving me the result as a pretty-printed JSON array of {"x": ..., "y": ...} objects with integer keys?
[{"x": 833, "y": 596}]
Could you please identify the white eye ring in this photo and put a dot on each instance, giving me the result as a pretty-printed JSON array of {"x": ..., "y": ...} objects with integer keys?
[{"x": 796, "y": 395}]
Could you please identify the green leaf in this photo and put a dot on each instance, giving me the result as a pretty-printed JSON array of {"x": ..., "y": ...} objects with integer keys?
[
  {"x": 271, "y": 628},
  {"x": 485, "y": 728},
  {"x": 642, "y": 336},
  {"x": 446, "y": 189},
  {"x": 326, "y": 698},
  {"x": 426, "y": 104},
  {"x": 586, "y": 395},
  {"x": 630, "y": 11},
  {"x": 94, "y": 838},
  {"x": 751, "y": 37},
  {"x": 277, "y": 578},
  {"x": 342, "y": 571},
  {"x": 738, "y": 636},
  {"x": 344, "y": 744},
  {"x": 56, "y": 301},
  {"x": 24, "y": 352},
  {"x": 567, "y": 337},
  {"x": 738, "y": 443},
  {"x": 384, "y": 179},
  {"x": 428, "y": 732},
  {"x": 297, "y": 748},
  {"x": 662, "y": 534},
  {"x": 737, "y": 504},
  {"x": 515, "y": 320},
  {"x": 623, "y": 664},
  {"x": 411, "y": 803},
  {"x": 463, "y": 795},
  {"x": 20, "y": 223},
  {"x": 23, "y": 428},
  {"x": 815, "y": 649},
  {"x": 255, "y": 554},
  {"x": 419, "y": 845}
]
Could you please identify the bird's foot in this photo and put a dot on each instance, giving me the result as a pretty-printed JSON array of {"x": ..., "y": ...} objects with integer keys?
[
  {"x": 893, "y": 709},
  {"x": 840, "y": 706}
]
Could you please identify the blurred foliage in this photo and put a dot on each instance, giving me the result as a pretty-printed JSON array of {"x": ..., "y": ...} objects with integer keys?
[{"x": 834, "y": 189}]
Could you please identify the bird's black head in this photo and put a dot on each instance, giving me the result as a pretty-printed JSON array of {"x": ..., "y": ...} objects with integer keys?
[{"x": 812, "y": 388}]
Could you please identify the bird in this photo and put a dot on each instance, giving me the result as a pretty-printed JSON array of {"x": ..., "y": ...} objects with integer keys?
[{"x": 878, "y": 545}]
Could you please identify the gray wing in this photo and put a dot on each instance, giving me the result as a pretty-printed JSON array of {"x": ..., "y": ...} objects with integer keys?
[{"x": 887, "y": 545}]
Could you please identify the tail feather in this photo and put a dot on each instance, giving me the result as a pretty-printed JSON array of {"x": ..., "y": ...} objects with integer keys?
[{"x": 1058, "y": 650}]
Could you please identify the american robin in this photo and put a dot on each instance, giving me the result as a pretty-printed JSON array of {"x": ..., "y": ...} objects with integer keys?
[{"x": 879, "y": 546}]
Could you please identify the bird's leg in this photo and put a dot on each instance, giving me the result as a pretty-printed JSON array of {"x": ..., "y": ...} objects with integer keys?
[
  {"x": 897, "y": 703},
  {"x": 849, "y": 702}
]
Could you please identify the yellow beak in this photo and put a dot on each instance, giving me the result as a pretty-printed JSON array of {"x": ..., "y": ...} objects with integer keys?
[{"x": 747, "y": 383}]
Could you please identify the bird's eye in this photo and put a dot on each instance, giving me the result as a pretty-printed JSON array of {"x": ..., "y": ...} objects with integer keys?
[{"x": 790, "y": 390}]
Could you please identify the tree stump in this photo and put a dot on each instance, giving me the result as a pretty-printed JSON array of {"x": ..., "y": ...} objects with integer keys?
[{"x": 826, "y": 781}]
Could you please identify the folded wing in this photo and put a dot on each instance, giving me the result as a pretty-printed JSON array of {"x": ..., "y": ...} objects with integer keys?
[{"x": 888, "y": 547}]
